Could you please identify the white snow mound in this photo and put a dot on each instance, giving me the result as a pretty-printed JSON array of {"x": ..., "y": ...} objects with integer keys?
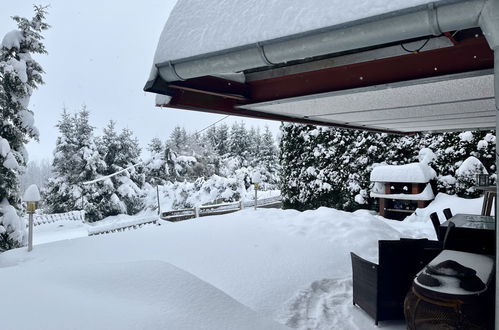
[
  {"x": 122, "y": 295},
  {"x": 413, "y": 172}
]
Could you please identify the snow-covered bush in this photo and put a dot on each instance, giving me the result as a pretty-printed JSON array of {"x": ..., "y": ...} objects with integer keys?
[
  {"x": 466, "y": 177},
  {"x": 178, "y": 195}
]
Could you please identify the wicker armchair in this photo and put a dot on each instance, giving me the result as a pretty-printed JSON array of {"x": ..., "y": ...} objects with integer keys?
[{"x": 380, "y": 289}]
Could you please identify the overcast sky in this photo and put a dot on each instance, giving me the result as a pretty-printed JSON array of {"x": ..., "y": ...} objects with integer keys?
[{"x": 100, "y": 54}]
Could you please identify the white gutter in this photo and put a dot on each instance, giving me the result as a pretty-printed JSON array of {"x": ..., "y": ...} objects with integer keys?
[{"x": 431, "y": 19}]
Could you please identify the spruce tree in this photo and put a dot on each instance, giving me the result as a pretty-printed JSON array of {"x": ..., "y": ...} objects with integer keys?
[
  {"x": 129, "y": 183},
  {"x": 76, "y": 161},
  {"x": 63, "y": 193},
  {"x": 19, "y": 76},
  {"x": 222, "y": 140}
]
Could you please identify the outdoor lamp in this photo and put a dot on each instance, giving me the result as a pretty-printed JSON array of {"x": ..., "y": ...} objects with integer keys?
[
  {"x": 31, "y": 198},
  {"x": 482, "y": 179},
  {"x": 256, "y": 178}
]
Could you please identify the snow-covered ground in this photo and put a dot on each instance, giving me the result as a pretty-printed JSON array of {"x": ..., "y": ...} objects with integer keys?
[{"x": 245, "y": 270}]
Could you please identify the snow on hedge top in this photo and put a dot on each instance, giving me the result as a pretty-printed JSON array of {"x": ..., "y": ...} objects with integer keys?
[
  {"x": 198, "y": 26},
  {"x": 414, "y": 172},
  {"x": 471, "y": 166},
  {"x": 32, "y": 194}
]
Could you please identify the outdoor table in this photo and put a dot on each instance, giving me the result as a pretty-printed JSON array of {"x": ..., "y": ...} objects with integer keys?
[
  {"x": 472, "y": 233},
  {"x": 448, "y": 306}
]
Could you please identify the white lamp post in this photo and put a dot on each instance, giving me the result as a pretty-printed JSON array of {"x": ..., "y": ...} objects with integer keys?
[
  {"x": 256, "y": 179},
  {"x": 31, "y": 198}
]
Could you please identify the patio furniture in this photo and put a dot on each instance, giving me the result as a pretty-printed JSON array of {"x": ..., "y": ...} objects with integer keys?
[
  {"x": 488, "y": 201},
  {"x": 489, "y": 198},
  {"x": 380, "y": 289},
  {"x": 455, "y": 291},
  {"x": 472, "y": 233},
  {"x": 436, "y": 223},
  {"x": 447, "y": 213},
  {"x": 442, "y": 236}
]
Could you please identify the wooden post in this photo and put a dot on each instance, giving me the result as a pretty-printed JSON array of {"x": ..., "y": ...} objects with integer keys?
[
  {"x": 30, "y": 233},
  {"x": 256, "y": 194},
  {"x": 382, "y": 201},
  {"x": 196, "y": 212},
  {"x": 241, "y": 205},
  {"x": 157, "y": 195}
]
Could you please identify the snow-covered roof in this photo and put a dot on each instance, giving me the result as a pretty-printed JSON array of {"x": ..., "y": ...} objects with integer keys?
[
  {"x": 381, "y": 85},
  {"x": 414, "y": 172},
  {"x": 425, "y": 195},
  {"x": 197, "y": 27}
]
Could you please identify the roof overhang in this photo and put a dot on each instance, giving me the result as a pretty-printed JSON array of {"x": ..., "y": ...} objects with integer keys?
[
  {"x": 435, "y": 89},
  {"x": 446, "y": 83}
]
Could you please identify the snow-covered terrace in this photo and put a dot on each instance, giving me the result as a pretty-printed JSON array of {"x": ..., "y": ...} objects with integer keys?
[{"x": 398, "y": 66}]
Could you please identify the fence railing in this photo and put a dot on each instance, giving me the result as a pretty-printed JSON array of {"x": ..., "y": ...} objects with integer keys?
[
  {"x": 123, "y": 225},
  {"x": 39, "y": 219},
  {"x": 218, "y": 209}
]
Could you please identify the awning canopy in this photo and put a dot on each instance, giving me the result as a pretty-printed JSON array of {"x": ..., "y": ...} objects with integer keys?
[{"x": 425, "y": 66}]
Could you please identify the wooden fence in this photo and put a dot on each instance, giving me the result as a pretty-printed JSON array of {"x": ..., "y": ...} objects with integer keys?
[
  {"x": 217, "y": 209},
  {"x": 123, "y": 225},
  {"x": 39, "y": 219}
]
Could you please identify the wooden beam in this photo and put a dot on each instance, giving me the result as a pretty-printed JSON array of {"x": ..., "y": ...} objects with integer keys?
[{"x": 469, "y": 55}]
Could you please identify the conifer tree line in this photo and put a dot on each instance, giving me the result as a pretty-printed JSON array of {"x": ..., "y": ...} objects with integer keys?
[
  {"x": 20, "y": 75},
  {"x": 85, "y": 164},
  {"x": 331, "y": 167}
]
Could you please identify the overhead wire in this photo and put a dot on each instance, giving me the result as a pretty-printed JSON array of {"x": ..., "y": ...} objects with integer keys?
[{"x": 204, "y": 129}]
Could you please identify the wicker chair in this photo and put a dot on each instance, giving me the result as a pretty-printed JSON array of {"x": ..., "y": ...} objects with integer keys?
[{"x": 380, "y": 289}]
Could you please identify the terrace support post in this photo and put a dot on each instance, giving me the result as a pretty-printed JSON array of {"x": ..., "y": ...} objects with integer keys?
[
  {"x": 489, "y": 23},
  {"x": 496, "y": 94}
]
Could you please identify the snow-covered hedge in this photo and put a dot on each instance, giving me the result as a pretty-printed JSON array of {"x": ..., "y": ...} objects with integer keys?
[{"x": 332, "y": 167}]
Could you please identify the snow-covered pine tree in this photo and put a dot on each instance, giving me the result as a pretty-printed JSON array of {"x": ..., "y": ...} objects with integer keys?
[
  {"x": 77, "y": 160},
  {"x": 222, "y": 140},
  {"x": 37, "y": 172},
  {"x": 19, "y": 76},
  {"x": 99, "y": 199},
  {"x": 177, "y": 141},
  {"x": 239, "y": 142},
  {"x": 154, "y": 168},
  {"x": 62, "y": 191},
  {"x": 129, "y": 183},
  {"x": 267, "y": 157}
]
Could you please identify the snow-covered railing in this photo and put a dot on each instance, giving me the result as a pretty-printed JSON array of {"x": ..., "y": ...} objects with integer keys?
[
  {"x": 40, "y": 219},
  {"x": 123, "y": 225},
  {"x": 218, "y": 209}
]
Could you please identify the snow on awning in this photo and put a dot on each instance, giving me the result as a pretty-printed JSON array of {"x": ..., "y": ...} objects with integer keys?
[
  {"x": 400, "y": 66},
  {"x": 197, "y": 27},
  {"x": 414, "y": 172}
]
